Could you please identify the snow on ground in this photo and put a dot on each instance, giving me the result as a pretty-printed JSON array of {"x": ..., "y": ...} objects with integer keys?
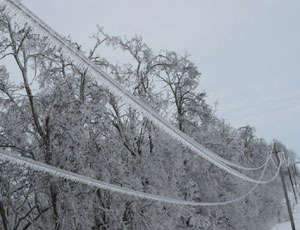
[{"x": 287, "y": 225}]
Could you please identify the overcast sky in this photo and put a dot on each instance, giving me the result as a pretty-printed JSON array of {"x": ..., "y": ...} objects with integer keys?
[{"x": 247, "y": 51}]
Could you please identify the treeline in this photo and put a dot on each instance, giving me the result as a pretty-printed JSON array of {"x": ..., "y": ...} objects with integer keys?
[{"x": 54, "y": 112}]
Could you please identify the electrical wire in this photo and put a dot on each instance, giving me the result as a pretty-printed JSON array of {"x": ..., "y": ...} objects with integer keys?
[
  {"x": 23, "y": 15},
  {"x": 60, "y": 173}
]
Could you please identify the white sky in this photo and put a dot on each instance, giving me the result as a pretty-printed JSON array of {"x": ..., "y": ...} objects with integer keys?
[{"x": 247, "y": 51}]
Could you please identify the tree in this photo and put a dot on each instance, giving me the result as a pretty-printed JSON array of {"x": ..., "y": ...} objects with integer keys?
[{"x": 61, "y": 116}]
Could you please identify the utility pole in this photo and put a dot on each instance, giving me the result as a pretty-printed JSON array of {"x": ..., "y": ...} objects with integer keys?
[
  {"x": 292, "y": 183},
  {"x": 284, "y": 189},
  {"x": 295, "y": 173}
]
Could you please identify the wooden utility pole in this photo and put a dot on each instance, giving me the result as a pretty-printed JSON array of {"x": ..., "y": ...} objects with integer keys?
[
  {"x": 294, "y": 173},
  {"x": 285, "y": 190},
  {"x": 292, "y": 183}
]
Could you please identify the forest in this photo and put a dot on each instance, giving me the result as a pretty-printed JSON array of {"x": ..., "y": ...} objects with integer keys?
[{"x": 53, "y": 111}]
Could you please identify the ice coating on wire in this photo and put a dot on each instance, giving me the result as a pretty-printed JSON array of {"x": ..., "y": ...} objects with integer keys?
[
  {"x": 23, "y": 15},
  {"x": 57, "y": 172}
]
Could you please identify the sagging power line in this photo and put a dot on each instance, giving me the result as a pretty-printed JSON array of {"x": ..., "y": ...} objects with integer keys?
[
  {"x": 53, "y": 39},
  {"x": 74, "y": 177}
]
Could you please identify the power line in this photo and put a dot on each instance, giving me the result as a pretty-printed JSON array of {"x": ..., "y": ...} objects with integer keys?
[
  {"x": 23, "y": 15},
  {"x": 57, "y": 172}
]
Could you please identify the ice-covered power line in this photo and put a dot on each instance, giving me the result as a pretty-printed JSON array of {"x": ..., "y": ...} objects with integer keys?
[
  {"x": 21, "y": 14},
  {"x": 57, "y": 172}
]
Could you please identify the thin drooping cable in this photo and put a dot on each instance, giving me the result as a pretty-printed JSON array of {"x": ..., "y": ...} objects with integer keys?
[
  {"x": 53, "y": 39},
  {"x": 58, "y": 38},
  {"x": 220, "y": 159},
  {"x": 60, "y": 173}
]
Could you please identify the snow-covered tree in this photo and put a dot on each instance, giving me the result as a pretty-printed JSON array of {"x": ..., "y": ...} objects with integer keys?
[{"x": 54, "y": 112}]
